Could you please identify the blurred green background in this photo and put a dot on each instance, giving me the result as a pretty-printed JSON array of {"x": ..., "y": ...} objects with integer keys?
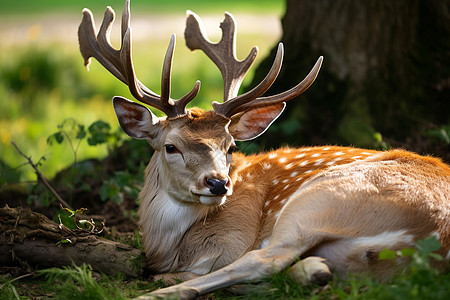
[{"x": 43, "y": 82}]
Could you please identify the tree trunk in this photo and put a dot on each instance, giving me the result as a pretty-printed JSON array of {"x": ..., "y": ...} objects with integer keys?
[
  {"x": 386, "y": 69},
  {"x": 30, "y": 237}
]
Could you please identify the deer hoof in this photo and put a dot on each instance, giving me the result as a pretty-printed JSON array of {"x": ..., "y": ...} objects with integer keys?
[{"x": 312, "y": 269}]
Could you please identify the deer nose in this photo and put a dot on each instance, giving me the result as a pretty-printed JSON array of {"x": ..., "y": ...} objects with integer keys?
[{"x": 217, "y": 187}]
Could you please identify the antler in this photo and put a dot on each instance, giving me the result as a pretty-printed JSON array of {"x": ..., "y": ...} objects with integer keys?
[
  {"x": 223, "y": 54},
  {"x": 119, "y": 62},
  {"x": 233, "y": 71}
]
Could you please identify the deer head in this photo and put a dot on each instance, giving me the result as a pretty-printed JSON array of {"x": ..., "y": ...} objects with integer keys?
[{"x": 193, "y": 148}]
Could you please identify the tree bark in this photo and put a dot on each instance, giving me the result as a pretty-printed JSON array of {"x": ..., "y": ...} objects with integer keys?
[
  {"x": 386, "y": 69},
  {"x": 30, "y": 237}
]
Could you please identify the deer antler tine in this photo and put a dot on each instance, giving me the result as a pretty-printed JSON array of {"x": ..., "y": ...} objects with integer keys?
[
  {"x": 228, "y": 108},
  {"x": 134, "y": 85},
  {"x": 103, "y": 38},
  {"x": 223, "y": 53},
  {"x": 166, "y": 71},
  {"x": 125, "y": 26},
  {"x": 189, "y": 96},
  {"x": 125, "y": 18},
  {"x": 287, "y": 95},
  {"x": 89, "y": 46},
  {"x": 127, "y": 62}
]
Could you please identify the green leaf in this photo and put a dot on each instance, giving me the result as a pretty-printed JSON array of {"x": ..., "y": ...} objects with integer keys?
[
  {"x": 428, "y": 245},
  {"x": 436, "y": 256},
  {"x": 81, "y": 132},
  {"x": 57, "y": 137},
  {"x": 440, "y": 134},
  {"x": 99, "y": 131},
  {"x": 406, "y": 252},
  {"x": 64, "y": 241},
  {"x": 387, "y": 254}
]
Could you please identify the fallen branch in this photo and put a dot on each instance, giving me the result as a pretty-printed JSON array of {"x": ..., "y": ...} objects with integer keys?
[
  {"x": 30, "y": 237},
  {"x": 40, "y": 176}
]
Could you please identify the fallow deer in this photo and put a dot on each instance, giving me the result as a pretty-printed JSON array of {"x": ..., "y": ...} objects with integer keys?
[{"x": 205, "y": 208}]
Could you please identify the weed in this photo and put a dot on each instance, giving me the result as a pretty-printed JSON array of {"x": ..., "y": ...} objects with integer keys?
[{"x": 77, "y": 282}]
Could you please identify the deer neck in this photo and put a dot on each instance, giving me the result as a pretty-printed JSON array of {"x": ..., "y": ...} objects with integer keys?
[{"x": 164, "y": 220}]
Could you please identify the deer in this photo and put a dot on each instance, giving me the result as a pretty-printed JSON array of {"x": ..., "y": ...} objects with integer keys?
[{"x": 214, "y": 217}]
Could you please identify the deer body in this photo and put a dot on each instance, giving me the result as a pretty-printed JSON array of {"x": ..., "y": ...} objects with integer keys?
[
  {"x": 264, "y": 184},
  {"x": 204, "y": 209}
]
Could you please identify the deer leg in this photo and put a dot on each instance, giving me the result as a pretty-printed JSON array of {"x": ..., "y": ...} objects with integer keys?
[{"x": 251, "y": 267}]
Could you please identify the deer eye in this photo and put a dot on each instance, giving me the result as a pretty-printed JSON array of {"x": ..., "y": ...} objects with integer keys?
[{"x": 171, "y": 149}]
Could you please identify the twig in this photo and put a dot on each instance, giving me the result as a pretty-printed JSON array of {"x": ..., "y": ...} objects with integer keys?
[
  {"x": 41, "y": 177},
  {"x": 15, "y": 279}
]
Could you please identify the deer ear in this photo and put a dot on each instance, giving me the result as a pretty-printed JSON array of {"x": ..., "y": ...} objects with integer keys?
[
  {"x": 136, "y": 120},
  {"x": 250, "y": 124}
]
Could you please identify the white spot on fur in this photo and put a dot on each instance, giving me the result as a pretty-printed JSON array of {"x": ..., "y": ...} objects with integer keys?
[
  {"x": 266, "y": 166},
  {"x": 282, "y": 160},
  {"x": 275, "y": 181},
  {"x": 367, "y": 153},
  {"x": 285, "y": 180},
  {"x": 287, "y": 185},
  {"x": 318, "y": 162},
  {"x": 266, "y": 204},
  {"x": 316, "y": 154},
  {"x": 309, "y": 171},
  {"x": 287, "y": 151},
  {"x": 299, "y": 179},
  {"x": 305, "y": 149},
  {"x": 272, "y": 155},
  {"x": 300, "y": 155},
  {"x": 294, "y": 174},
  {"x": 283, "y": 201},
  {"x": 288, "y": 166},
  {"x": 338, "y": 153},
  {"x": 276, "y": 197},
  {"x": 332, "y": 162},
  {"x": 269, "y": 212},
  {"x": 304, "y": 163},
  {"x": 326, "y": 148}
]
